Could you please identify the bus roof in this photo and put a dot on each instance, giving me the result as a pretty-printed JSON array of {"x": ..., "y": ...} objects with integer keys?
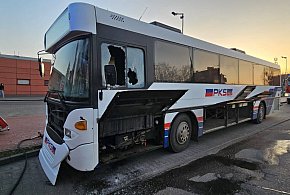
[{"x": 123, "y": 22}]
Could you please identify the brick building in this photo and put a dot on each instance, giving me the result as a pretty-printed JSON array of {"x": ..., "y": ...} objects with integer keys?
[{"x": 21, "y": 77}]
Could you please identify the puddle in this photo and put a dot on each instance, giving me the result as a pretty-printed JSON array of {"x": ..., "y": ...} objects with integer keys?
[
  {"x": 250, "y": 155},
  {"x": 237, "y": 162},
  {"x": 218, "y": 186},
  {"x": 271, "y": 155},
  {"x": 208, "y": 175},
  {"x": 173, "y": 191}
]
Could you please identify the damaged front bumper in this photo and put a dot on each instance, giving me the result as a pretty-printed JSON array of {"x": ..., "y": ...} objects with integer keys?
[{"x": 51, "y": 155}]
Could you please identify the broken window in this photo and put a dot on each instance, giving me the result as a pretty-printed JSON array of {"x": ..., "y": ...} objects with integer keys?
[
  {"x": 114, "y": 55},
  {"x": 135, "y": 68},
  {"x": 129, "y": 65}
]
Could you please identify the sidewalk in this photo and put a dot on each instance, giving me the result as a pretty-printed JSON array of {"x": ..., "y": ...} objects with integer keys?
[
  {"x": 21, "y": 128},
  {"x": 25, "y": 116},
  {"x": 22, "y": 98}
]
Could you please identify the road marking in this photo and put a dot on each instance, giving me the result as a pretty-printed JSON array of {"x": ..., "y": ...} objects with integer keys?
[
  {"x": 274, "y": 190},
  {"x": 266, "y": 188}
]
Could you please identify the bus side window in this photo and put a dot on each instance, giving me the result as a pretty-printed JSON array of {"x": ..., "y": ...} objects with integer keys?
[
  {"x": 135, "y": 68},
  {"x": 114, "y": 55}
]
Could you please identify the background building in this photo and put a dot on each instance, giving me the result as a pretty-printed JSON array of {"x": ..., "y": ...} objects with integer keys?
[{"x": 21, "y": 77}]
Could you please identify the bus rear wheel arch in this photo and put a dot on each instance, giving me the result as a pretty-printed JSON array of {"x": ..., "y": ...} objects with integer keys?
[
  {"x": 261, "y": 113},
  {"x": 180, "y": 133}
]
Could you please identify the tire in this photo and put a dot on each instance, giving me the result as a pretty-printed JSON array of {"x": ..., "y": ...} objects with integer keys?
[
  {"x": 288, "y": 100},
  {"x": 180, "y": 133},
  {"x": 260, "y": 114}
]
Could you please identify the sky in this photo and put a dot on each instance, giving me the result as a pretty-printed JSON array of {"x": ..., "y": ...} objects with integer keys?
[{"x": 259, "y": 27}]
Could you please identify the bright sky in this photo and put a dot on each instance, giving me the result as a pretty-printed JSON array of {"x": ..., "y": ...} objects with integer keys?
[{"x": 259, "y": 27}]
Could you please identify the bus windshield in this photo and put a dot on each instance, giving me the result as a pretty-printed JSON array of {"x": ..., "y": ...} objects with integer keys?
[{"x": 70, "y": 74}]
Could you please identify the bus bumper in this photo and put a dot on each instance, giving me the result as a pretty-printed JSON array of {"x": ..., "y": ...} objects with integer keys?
[{"x": 51, "y": 155}]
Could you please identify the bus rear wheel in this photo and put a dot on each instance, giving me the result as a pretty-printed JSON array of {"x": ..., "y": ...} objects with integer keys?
[
  {"x": 260, "y": 114},
  {"x": 180, "y": 133}
]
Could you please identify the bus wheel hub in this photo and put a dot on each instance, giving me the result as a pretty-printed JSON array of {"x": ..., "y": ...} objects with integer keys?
[{"x": 182, "y": 132}]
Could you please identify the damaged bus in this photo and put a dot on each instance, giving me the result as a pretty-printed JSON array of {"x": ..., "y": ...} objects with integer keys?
[{"x": 117, "y": 82}]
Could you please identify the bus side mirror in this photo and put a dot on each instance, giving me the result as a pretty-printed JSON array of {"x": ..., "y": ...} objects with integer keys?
[
  {"x": 110, "y": 74},
  {"x": 41, "y": 67}
]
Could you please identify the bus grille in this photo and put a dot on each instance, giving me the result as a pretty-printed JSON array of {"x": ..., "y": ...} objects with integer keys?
[{"x": 56, "y": 118}]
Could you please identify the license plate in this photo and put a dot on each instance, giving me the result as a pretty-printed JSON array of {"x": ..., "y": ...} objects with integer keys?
[{"x": 50, "y": 145}]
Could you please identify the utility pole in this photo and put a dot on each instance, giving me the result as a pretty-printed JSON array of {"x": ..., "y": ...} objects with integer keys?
[{"x": 285, "y": 57}]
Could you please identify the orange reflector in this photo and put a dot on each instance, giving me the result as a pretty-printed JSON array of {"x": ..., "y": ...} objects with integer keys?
[{"x": 81, "y": 125}]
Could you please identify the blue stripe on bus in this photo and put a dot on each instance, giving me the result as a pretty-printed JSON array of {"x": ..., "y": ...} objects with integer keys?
[
  {"x": 255, "y": 114},
  {"x": 166, "y": 138},
  {"x": 200, "y": 129}
]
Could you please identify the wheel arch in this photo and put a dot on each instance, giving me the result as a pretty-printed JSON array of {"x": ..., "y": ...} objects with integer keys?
[
  {"x": 265, "y": 107},
  {"x": 256, "y": 112},
  {"x": 194, "y": 122}
]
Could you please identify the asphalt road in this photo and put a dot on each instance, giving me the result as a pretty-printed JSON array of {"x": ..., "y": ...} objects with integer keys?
[
  {"x": 21, "y": 108},
  {"x": 219, "y": 157},
  {"x": 259, "y": 164}
]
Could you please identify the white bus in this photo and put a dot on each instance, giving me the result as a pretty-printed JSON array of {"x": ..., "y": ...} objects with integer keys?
[{"x": 118, "y": 82}]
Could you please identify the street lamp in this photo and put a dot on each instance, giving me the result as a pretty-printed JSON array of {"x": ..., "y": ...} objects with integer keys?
[
  {"x": 284, "y": 57},
  {"x": 181, "y": 17}
]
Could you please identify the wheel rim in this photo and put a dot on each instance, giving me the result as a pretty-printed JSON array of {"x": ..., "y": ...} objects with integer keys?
[
  {"x": 182, "y": 132},
  {"x": 261, "y": 112}
]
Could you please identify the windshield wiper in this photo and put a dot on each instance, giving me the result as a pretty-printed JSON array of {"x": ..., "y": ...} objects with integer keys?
[{"x": 60, "y": 95}]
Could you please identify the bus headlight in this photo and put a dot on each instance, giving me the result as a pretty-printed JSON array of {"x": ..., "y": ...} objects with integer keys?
[
  {"x": 67, "y": 133},
  {"x": 81, "y": 125}
]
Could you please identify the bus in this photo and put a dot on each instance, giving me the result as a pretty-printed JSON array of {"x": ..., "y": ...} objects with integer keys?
[
  {"x": 118, "y": 82},
  {"x": 286, "y": 86}
]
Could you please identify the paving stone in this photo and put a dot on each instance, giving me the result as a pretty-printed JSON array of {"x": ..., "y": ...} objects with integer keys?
[{"x": 204, "y": 178}]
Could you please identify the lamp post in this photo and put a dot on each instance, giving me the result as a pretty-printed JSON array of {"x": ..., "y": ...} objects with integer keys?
[
  {"x": 181, "y": 17},
  {"x": 286, "y": 75},
  {"x": 284, "y": 57}
]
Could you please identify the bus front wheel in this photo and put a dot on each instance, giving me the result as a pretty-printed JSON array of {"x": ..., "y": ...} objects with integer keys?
[{"x": 180, "y": 133}]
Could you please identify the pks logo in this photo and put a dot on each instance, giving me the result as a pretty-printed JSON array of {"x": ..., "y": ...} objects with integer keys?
[{"x": 218, "y": 92}]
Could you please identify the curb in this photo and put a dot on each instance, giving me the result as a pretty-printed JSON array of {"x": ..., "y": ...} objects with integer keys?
[
  {"x": 18, "y": 157},
  {"x": 18, "y": 100}
]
